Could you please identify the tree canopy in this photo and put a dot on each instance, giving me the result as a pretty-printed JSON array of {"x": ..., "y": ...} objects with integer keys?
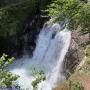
[{"x": 76, "y": 11}]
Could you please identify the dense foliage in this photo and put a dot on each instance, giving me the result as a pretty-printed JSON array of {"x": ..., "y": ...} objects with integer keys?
[
  {"x": 12, "y": 18},
  {"x": 6, "y": 78},
  {"x": 14, "y": 15},
  {"x": 77, "y": 12},
  {"x": 9, "y": 24}
]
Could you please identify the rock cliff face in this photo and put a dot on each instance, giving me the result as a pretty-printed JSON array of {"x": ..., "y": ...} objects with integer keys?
[
  {"x": 27, "y": 15},
  {"x": 77, "y": 63},
  {"x": 27, "y": 40},
  {"x": 76, "y": 51}
]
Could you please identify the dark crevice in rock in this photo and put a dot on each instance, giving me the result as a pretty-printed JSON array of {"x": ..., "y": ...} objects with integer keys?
[{"x": 27, "y": 39}]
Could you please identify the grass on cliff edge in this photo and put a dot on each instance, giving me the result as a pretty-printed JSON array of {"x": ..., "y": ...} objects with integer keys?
[{"x": 75, "y": 82}]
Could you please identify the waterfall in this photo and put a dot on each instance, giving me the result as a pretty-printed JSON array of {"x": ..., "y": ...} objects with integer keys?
[{"x": 52, "y": 46}]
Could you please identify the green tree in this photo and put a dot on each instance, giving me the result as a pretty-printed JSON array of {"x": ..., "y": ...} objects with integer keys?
[
  {"x": 77, "y": 12},
  {"x": 6, "y": 78}
]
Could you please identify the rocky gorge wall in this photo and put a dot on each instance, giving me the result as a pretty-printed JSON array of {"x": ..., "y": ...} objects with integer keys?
[
  {"x": 77, "y": 64},
  {"x": 15, "y": 23},
  {"x": 76, "y": 51}
]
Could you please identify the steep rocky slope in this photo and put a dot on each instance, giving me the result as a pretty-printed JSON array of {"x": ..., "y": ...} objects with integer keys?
[{"x": 77, "y": 64}]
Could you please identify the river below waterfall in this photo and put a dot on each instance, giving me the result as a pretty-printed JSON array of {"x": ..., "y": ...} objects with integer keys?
[{"x": 51, "y": 48}]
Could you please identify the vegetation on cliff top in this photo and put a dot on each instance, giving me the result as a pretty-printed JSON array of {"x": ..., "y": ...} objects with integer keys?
[
  {"x": 12, "y": 17},
  {"x": 77, "y": 12}
]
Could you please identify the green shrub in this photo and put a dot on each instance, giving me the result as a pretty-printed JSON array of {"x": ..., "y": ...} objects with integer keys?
[
  {"x": 39, "y": 76},
  {"x": 77, "y": 13},
  {"x": 73, "y": 85},
  {"x": 6, "y": 78},
  {"x": 9, "y": 23}
]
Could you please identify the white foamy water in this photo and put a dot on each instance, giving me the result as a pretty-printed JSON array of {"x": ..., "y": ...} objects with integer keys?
[{"x": 52, "y": 46}]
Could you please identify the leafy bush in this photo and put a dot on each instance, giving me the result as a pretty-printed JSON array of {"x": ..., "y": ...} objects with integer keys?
[
  {"x": 75, "y": 85},
  {"x": 39, "y": 76},
  {"x": 77, "y": 12},
  {"x": 9, "y": 24},
  {"x": 6, "y": 77},
  {"x": 13, "y": 16}
]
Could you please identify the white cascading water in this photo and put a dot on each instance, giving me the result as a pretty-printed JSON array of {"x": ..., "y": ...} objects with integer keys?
[{"x": 52, "y": 46}]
